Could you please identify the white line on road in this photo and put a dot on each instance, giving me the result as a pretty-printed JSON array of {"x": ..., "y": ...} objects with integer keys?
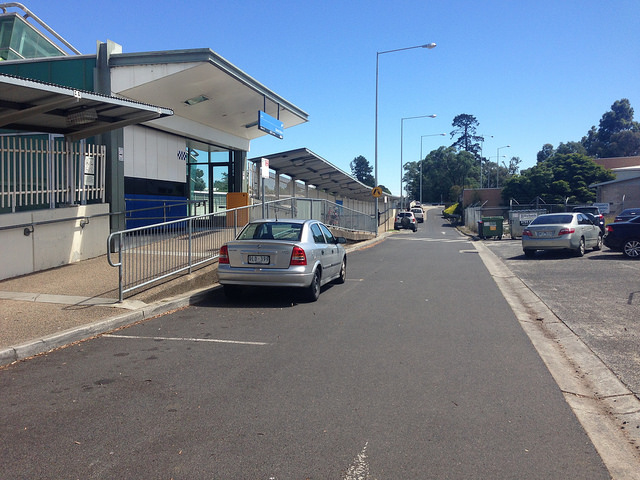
[
  {"x": 185, "y": 339},
  {"x": 359, "y": 469},
  {"x": 439, "y": 240}
]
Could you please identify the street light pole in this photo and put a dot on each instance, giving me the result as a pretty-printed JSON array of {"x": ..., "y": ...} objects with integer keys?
[
  {"x": 422, "y": 158},
  {"x": 481, "y": 148},
  {"x": 498, "y": 165},
  {"x": 401, "y": 142},
  {"x": 429, "y": 46}
]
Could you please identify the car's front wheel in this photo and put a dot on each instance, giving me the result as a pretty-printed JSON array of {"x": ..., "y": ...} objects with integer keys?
[{"x": 631, "y": 248}]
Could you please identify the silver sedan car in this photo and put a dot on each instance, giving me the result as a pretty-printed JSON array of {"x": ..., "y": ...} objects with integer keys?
[
  {"x": 561, "y": 231},
  {"x": 283, "y": 253}
]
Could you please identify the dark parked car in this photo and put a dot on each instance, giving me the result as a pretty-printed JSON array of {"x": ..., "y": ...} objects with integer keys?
[
  {"x": 627, "y": 214},
  {"x": 595, "y": 211},
  {"x": 624, "y": 237}
]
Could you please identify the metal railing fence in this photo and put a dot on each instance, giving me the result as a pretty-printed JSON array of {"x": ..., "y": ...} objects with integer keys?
[
  {"x": 39, "y": 173},
  {"x": 146, "y": 255}
]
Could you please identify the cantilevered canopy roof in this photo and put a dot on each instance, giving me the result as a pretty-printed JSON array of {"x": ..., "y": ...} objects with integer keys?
[
  {"x": 201, "y": 86},
  {"x": 29, "y": 105},
  {"x": 302, "y": 164}
]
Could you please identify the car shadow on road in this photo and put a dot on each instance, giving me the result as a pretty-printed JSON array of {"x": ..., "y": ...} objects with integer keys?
[
  {"x": 259, "y": 297},
  {"x": 542, "y": 255}
]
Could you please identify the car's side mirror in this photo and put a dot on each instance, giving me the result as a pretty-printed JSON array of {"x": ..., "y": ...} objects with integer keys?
[{"x": 340, "y": 240}]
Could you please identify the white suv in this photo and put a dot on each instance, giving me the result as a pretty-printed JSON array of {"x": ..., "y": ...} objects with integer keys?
[
  {"x": 418, "y": 213},
  {"x": 405, "y": 220}
]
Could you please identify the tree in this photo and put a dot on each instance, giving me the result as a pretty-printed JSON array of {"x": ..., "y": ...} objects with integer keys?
[
  {"x": 445, "y": 173},
  {"x": 361, "y": 169},
  {"x": 221, "y": 185},
  {"x": 199, "y": 184},
  {"x": 559, "y": 177},
  {"x": 618, "y": 135},
  {"x": 466, "y": 132},
  {"x": 546, "y": 152}
]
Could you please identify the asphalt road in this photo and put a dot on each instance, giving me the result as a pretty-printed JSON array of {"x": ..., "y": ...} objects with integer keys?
[
  {"x": 597, "y": 296},
  {"x": 415, "y": 368}
]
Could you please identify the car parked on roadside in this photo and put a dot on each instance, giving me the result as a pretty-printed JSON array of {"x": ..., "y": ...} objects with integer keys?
[
  {"x": 572, "y": 231},
  {"x": 595, "y": 211},
  {"x": 405, "y": 220},
  {"x": 283, "y": 253},
  {"x": 627, "y": 214},
  {"x": 418, "y": 213},
  {"x": 624, "y": 237}
]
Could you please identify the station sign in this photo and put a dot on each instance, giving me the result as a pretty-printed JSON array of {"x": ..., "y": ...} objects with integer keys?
[{"x": 270, "y": 125}]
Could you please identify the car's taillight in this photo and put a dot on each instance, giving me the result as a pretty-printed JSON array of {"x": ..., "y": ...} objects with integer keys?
[
  {"x": 526, "y": 233},
  {"x": 609, "y": 228},
  {"x": 223, "y": 256},
  {"x": 566, "y": 231},
  {"x": 298, "y": 256}
]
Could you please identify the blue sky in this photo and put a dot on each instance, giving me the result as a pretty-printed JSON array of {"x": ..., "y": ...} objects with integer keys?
[{"x": 530, "y": 72}]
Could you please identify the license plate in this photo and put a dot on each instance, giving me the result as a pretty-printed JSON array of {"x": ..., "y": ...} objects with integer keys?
[
  {"x": 259, "y": 259},
  {"x": 545, "y": 234}
]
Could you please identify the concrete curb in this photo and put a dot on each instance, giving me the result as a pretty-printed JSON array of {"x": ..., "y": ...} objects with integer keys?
[{"x": 51, "y": 342}]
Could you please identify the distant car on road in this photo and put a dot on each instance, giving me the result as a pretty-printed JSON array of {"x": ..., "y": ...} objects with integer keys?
[
  {"x": 418, "y": 213},
  {"x": 624, "y": 237},
  {"x": 282, "y": 253},
  {"x": 561, "y": 231},
  {"x": 627, "y": 214},
  {"x": 595, "y": 211},
  {"x": 405, "y": 220}
]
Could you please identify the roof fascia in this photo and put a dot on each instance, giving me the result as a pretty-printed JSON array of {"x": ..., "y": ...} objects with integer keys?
[{"x": 204, "y": 55}]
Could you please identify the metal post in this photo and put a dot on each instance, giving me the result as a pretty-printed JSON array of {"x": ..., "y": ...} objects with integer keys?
[{"x": 429, "y": 46}]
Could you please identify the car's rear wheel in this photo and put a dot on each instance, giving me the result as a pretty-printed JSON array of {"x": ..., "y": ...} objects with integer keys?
[
  {"x": 342, "y": 277},
  {"x": 580, "y": 249},
  {"x": 313, "y": 290},
  {"x": 631, "y": 248},
  {"x": 598, "y": 243}
]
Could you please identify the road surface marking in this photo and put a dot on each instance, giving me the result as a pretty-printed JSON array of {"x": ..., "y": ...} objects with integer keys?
[
  {"x": 185, "y": 339},
  {"x": 359, "y": 469}
]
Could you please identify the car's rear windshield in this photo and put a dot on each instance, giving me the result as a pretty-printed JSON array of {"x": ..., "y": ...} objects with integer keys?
[
  {"x": 272, "y": 231},
  {"x": 552, "y": 219},
  {"x": 404, "y": 214}
]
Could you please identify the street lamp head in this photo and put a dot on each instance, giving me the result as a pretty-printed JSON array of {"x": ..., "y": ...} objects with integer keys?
[
  {"x": 429, "y": 46},
  {"x": 432, "y": 116}
]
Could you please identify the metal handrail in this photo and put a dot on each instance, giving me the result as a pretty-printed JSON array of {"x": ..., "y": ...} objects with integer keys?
[
  {"x": 146, "y": 255},
  {"x": 57, "y": 220}
]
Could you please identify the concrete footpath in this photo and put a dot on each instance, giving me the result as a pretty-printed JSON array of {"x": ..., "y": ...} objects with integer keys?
[{"x": 49, "y": 309}]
